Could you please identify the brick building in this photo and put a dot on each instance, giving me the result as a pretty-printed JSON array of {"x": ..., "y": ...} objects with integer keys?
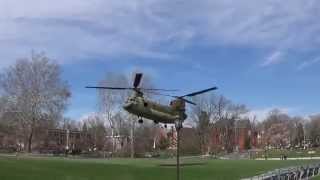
[
  {"x": 245, "y": 135},
  {"x": 222, "y": 138},
  {"x": 226, "y": 136},
  {"x": 233, "y": 136}
]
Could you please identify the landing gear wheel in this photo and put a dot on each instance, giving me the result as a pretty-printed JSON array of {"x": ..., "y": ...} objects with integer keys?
[
  {"x": 140, "y": 121},
  {"x": 165, "y": 126},
  {"x": 178, "y": 125}
]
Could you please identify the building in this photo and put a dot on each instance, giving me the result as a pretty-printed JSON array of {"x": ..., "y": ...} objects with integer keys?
[
  {"x": 245, "y": 135},
  {"x": 62, "y": 139},
  {"x": 189, "y": 141},
  {"x": 230, "y": 135}
]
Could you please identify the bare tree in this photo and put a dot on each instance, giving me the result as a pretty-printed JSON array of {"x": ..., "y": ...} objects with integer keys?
[
  {"x": 203, "y": 116},
  {"x": 144, "y": 139},
  {"x": 203, "y": 130},
  {"x": 70, "y": 124},
  {"x": 312, "y": 129},
  {"x": 35, "y": 91},
  {"x": 277, "y": 129},
  {"x": 96, "y": 128},
  {"x": 299, "y": 134},
  {"x": 228, "y": 113},
  {"x": 296, "y": 131},
  {"x": 110, "y": 104},
  {"x": 216, "y": 110},
  {"x": 110, "y": 101}
]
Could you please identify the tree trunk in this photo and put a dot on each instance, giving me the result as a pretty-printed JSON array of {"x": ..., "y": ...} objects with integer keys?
[
  {"x": 132, "y": 140},
  {"x": 199, "y": 138},
  {"x": 112, "y": 136},
  {"x": 30, "y": 141}
]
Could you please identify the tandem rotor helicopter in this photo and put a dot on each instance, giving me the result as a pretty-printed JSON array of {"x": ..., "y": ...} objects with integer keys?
[{"x": 137, "y": 104}]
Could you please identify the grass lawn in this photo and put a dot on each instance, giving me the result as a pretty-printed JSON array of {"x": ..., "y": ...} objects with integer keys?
[
  {"x": 26, "y": 168},
  {"x": 277, "y": 153}
]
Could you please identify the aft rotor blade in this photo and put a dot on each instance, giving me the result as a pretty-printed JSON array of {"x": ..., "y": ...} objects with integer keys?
[
  {"x": 187, "y": 101},
  {"x": 177, "y": 97},
  {"x": 137, "y": 80},
  {"x": 199, "y": 92},
  {"x": 160, "y": 94},
  {"x": 106, "y": 87}
]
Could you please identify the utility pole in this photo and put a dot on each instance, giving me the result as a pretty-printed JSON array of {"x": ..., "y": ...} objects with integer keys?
[
  {"x": 178, "y": 156},
  {"x": 178, "y": 125},
  {"x": 67, "y": 141}
]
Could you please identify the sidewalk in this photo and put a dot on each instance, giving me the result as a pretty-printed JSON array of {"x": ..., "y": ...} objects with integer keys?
[{"x": 296, "y": 158}]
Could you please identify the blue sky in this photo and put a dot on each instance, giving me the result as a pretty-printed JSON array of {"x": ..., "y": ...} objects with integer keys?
[{"x": 264, "y": 54}]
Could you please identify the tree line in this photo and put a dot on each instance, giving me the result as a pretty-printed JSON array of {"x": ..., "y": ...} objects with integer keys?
[{"x": 34, "y": 97}]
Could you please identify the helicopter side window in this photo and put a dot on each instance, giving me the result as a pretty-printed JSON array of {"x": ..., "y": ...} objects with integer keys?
[{"x": 145, "y": 104}]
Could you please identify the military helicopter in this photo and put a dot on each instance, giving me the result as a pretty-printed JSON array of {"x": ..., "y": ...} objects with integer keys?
[{"x": 137, "y": 104}]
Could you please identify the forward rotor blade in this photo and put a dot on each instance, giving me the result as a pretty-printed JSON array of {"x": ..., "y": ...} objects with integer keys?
[
  {"x": 152, "y": 89},
  {"x": 199, "y": 92},
  {"x": 106, "y": 87},
  {"x": 121, "y": 88},
  {"x": 137, "y": 80}
]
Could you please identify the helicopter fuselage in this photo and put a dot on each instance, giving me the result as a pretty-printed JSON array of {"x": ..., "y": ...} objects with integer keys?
[{"x": 168, "y": 114}]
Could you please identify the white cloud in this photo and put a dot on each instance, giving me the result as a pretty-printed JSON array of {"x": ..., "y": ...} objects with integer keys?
[
  {"x": 275, "y": 57},
  {"x": 80, "y": 29},
  {"x": 262, "y": 113},
  {"x": 309, "y": 63},
  {"x": 87, "y": 116}
]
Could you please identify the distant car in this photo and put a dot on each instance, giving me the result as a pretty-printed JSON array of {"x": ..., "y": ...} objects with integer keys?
[{"x": 148, "y": 155}]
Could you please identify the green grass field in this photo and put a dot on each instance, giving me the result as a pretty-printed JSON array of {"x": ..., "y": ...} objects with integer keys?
[
  {"x": 277, "y": 153},
  {"x": 26, "y": 168}
]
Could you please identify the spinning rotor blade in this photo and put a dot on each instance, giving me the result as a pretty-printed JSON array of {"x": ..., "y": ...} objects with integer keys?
[
  {"x": 160, "y": 94},
  {"x": 188, "y": 95},
  {"x": 152, "y": 89},
  {"x": 136, "y": 83},
  {"x": 137, "y": 80},
  {"x": 122, "y": 88},
  {"x": 105, "y": 87},
  {"x": 199, "y": 92},
  {"x": 187, "y": 101},
  {"x": 176, "y": 97}
]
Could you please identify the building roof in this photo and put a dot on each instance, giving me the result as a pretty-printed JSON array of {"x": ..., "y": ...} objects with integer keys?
[
  {"x": 243, "y": 123},
  {"x": 223, "y": 123}
]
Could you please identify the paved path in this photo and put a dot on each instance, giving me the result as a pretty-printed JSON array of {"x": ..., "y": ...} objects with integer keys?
[{"x": 296, "y": 158}]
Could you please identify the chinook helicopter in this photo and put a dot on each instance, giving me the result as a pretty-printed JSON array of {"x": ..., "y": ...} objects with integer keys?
[{"x": 137, "y": 104}]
